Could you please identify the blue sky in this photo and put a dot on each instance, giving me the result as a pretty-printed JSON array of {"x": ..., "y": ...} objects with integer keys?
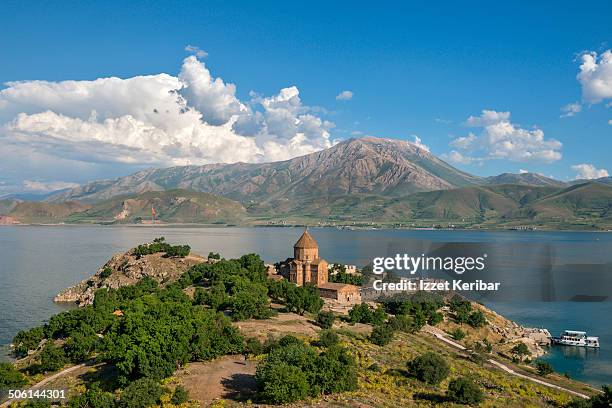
[{"x": 413, "y": 70}]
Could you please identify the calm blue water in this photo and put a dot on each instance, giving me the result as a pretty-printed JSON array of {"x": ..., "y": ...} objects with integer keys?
[{"x": 39, "y": 261}]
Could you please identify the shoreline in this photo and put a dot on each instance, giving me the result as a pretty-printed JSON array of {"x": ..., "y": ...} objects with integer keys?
[{"x": 339, "y": 227}]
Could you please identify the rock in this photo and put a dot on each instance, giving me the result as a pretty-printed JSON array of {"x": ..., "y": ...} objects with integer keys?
[{"x": 128, "y": 269}]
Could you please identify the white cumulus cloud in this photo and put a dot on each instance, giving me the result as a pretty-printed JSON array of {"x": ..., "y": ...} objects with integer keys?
[
  {"x": 501, "y": 139},
  {"x": 588, "y": 171},
  {"x": 595, "y": 76},
  {"x": 155, "y": 120},
  {"x": 344, "y": 96}
]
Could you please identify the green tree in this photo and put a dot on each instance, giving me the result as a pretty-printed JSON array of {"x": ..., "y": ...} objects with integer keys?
[
  {"x": 520, "y": 350},
  {"x": 302, "y": 299},
  {"x": 106, "y": 272},
  {"x": 81, "y": 344},
  {"x": 281, "y": 383},
  {"x": 214, "y": 255},
  {"x": 27, "y": 340},
  {"x": 457, "y": 334},
  {"x": 141, "y": 394},
  {"x": 435, "y": 318},
  {"x": 429, "y": 367},
  {"x": 52, "y": 358},
  {"x": 477, "y": 319},
  {"x": 94, "y": 397},
  {"x": 249, "y": 300},
  {"x": 461, "y": 308},
  {"x": 328, "y": 338},
  {"x": 403, "y": 323},
  {"x": 326, "y": 319},
  {"x": 10, "y": 377},
  {"x": 253, "y": 346},
  {"x": 462, "y": 390},
  {"x": 381, "y": 335},
  {"x": 337, "y": 273},
  {"x": 336, "y": 371},
  {"x": 544, "y": 368},
  {"x": 180, "y": 395},
  {"x": 215, "y": 297},
  {"x": 361, "y": 313}
]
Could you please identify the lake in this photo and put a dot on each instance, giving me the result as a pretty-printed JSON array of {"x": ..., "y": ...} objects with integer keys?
[{"x": 540, "y": 271}]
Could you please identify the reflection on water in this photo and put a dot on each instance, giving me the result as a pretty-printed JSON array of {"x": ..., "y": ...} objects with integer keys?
[
  {"x": 580, "y": 353},
  {"x": 39, "y": 261}
]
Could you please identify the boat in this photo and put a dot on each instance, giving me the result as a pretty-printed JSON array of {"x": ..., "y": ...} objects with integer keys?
[{"x": 576, "y": 338}]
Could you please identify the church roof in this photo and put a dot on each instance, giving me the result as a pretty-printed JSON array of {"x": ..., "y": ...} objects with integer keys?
[{"x": 306, "y": 241}]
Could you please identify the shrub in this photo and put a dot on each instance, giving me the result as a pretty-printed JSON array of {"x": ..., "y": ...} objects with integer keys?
[
  {"x": 37, "y": 403},
  {"x": 180, "y": 395},
  {"x": 94, "y": 397},
  {"x": 382, "y": 335},
  {"x": 301, "y": 299},
  {"x": 328, "y": 338},
  {"x": 435, "y": 318},
  {"x": 141, "y": 394},
  {"x": 294, "y": 371},
  {"x": 544, "y": 368},
  {"x": 520, "y": 350},
  {"x": 335, "y": 372},
  {"x": 81, "y": 344},
  {"x": 106, "y": 272},
  {"x": 27, "y": 340},
  {"x": 457, "y": 334},
  {"x": 326, "y": 319},
  {"x": 253, "y": 346},
  {"x": 403, "y": 323},
  {"x": 429, "y": 368},
  {"x": 461, "y": 308},
  {"x": 462, "y": 390},
  {"x": 281, "y": 383},
  {"x": 10, "y": 377},
  {"x": 363, "y": 313},
  {"x": 477, "y": 319},
  {"x": 52, "y": 358}
]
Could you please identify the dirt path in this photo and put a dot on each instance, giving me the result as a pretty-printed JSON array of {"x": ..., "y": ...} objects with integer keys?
[
  {"x": 439, "y": 334},
  {"x": 49, "y": 379},
  {"x": 227, "y": 377}
]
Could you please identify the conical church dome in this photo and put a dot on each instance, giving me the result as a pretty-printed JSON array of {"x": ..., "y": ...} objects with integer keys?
[{"x": 306, "y": 241}]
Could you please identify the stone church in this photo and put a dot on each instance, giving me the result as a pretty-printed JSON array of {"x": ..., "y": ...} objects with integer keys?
[{"x": 306, "y": 266}]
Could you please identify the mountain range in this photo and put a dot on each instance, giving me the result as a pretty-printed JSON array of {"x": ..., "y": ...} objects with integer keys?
[{"x": 358, "y": 180}]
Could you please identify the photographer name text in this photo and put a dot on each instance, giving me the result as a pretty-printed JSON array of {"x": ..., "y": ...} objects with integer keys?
[{"x": 412, "y": 285}]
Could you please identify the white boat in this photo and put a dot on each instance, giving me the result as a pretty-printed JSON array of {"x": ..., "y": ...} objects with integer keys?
[{"x": 576, "y": 338}]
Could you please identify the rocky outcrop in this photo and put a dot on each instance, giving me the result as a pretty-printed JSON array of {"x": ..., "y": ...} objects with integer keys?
[
  {"x": 508, "y": 333},
  {"x": 127, "y": 269},
  {"x": 6, "y": 220}
]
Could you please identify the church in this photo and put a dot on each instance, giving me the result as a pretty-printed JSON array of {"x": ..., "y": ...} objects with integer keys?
[{"x": 306, "y": 266}]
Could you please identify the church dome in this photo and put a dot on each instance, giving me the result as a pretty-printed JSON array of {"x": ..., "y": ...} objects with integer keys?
[{"x": 306, "y": 241}]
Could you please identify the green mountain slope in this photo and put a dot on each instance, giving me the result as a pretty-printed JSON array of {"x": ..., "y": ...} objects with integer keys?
[{"x": 175, "y": 206}]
